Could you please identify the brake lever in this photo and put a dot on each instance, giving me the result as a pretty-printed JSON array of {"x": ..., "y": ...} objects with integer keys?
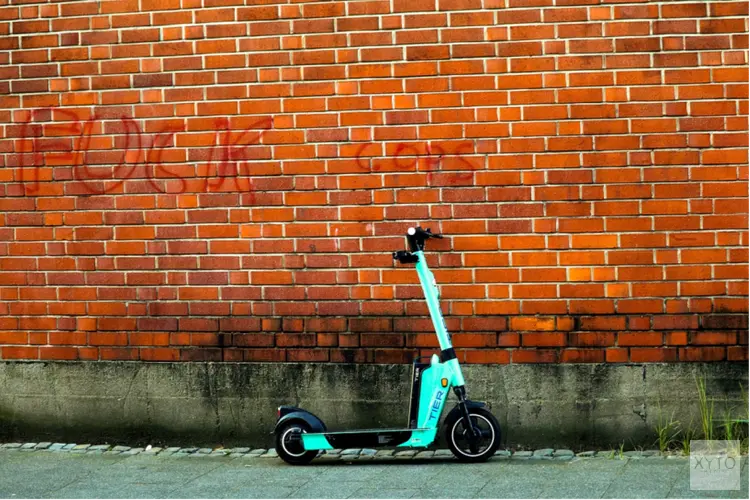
[{"x": 431, "y": 235}]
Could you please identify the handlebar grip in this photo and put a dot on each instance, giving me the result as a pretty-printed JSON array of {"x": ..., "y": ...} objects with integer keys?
[
  {"x": 405, "y": 257},
  {"x": 423, "y": 232}
]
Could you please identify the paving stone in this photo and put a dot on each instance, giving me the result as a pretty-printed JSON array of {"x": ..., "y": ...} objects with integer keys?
[
  {"x": 56, "y": 446},
  {"x": 204, "y": 451},
  {"x": 425, "y": 454},
  {"x": 563, "y": 453},
  {"x": 121, "y": 448},
  {"x": 586, "y": 454},
  {"x": 368, "y": 452},
  {"x": 188, "y": 450},
  {"x": 522, "y": 455},
  {"x": 12, "y": 445},
  {"x": 563, "y": 457},
  {"x": 543, "y": 453},
  {"x": 606, "y": 454},
  {"x": 239, "y": 450},
  {"x": 443, "y": 453},
  {"x": 172, "y": 449},
  {"x": 28, "y": 446},
  {"x": 236, "y": 455},
  {"x": 499, "y": 453},
  {"x": 112, "y": 452},
  {"x": 219, "y": 453},
  {"x": 335, "y": 451},
  {"x": 405, "y": 453},
  {"x": 69, "y": 446},
  {"x": 43, "y": 446},
  {"x": 153, "y": 450},
  {"x": 351, "y": 451},
  {"x": 384, "y": 453},
  {"x": 103, "y": 447},
  {"x": 132, "y": 451},
  {"x": 270, "y": 454},
  {"x": 81, "y": 447},
  {"x": 257, "y": 452}
]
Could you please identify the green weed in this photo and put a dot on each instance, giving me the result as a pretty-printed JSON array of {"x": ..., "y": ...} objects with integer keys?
[
  {"x": 707, "y": 409},
  {"x": 667, "y": 429}
]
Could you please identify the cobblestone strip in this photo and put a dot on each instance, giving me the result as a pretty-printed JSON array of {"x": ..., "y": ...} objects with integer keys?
[{"x": 338, "y": 455}]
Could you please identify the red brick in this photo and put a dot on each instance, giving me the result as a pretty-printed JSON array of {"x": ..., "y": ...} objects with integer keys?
[
  {"x": 532, "y": 324},
  {"x": 534, "y": 356},
  {"x": 551, "y": 339},
  {"x": 625, "y": 339},
  {"x": 653, "y": 354},
  {"x": 487, "y": 357},
  {"x": 702, "y": 354},
  {"x": 713, "y": 338},
  {"x": 592, "y": 339},
  {"x": 616, "y": 355},
  {"x": 582, "y": 356},
  {"x": 602, "y": 323},
  {"x": 737, "y": 353}
]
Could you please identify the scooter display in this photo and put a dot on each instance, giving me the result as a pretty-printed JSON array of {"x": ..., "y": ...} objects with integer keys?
[{"x": 471, "y": 430}]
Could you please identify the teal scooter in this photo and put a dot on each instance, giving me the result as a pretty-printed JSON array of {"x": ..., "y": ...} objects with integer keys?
[{"x": 471, "y": 430}]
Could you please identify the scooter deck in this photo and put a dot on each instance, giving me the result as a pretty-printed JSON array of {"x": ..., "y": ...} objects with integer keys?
[
  {"x": 364, "y": 438},
  {"x": 363, "y": 431}
]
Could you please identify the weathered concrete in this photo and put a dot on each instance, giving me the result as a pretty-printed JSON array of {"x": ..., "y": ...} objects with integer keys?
[{"x": 562, "y": 406}]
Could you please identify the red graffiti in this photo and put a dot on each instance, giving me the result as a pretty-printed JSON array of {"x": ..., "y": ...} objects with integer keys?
[
  {"x": 408, "y": 157},
  {"x": 223, "y": 164},
  {"x": 103, "y": 153},
  {"x": 72, "y": 142}
]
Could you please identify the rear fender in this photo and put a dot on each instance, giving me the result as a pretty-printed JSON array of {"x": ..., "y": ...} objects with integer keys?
[{"x": 291, "y": 414}]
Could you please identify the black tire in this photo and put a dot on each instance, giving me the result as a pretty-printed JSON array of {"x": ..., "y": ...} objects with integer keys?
[
  {"x": 456, "y": 436},
  {"x": 289, "y": 445}
]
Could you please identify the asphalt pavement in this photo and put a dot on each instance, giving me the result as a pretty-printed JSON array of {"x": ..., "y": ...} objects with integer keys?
[{"x": 48, "y": 474}]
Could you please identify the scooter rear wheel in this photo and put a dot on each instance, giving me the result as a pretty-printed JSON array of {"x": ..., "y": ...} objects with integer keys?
[
  {"x": 458, "y": 436},
  {"x": 289, "y": 444}
]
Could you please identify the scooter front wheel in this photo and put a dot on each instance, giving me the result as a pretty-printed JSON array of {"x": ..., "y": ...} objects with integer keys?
[
  {"x": 468, "y": 449},
  {"x": 289, "y": 444}
]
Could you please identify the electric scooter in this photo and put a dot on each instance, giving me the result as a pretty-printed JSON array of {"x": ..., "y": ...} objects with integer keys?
[{"x": 471, "y": 430}]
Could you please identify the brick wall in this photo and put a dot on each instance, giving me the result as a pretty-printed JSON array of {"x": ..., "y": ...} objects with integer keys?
[{"x": 209, "y": 180}]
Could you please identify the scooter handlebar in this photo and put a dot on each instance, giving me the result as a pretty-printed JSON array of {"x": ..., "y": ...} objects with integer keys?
[
  {"x": 424, "y": 233},
  {"x": 416, "y": 236}
]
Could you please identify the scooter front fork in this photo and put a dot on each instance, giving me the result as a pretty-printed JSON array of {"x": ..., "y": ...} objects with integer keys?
[{"x": 474, "y": 433}]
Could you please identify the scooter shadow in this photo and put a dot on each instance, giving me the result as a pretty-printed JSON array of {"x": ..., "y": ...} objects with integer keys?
[{"x": 384, "y": 461}]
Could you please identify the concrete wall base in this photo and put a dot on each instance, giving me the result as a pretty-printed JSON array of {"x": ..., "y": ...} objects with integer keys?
[{"x": 205, "y": 404}]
